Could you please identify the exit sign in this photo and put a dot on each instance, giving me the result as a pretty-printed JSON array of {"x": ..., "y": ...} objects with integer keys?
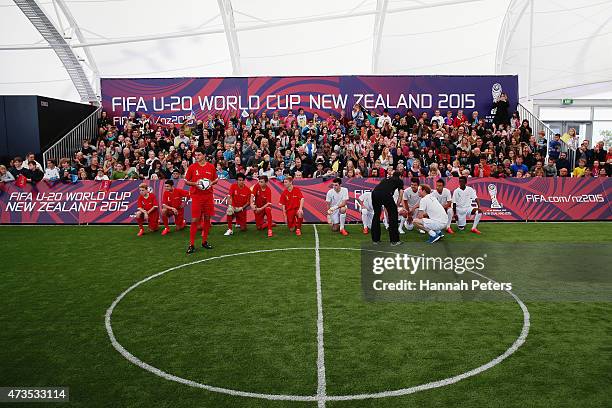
[{"x": 567, "y": 101}]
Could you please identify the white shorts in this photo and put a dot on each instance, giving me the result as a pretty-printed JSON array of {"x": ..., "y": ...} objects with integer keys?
[
  {"x": 433, "y": 225},
  {"x": 463, "y": 214},
  {"x": 335, "y": 217}
]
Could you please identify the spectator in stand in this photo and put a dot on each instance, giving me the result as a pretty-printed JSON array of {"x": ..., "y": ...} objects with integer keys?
[
  {"x": 580, "y": 170},
  {"x": 563, "y": 163},
  {"x": 33, "y": 174},
  {"x": 18, "y": 167},
  {"x": 519, "y": 166},
  {"x": 51, "y": 172},
  {"x": 501, "y": 107},
  {"x": 550, "y": 170},
  {"x": 5, "y": 175}
]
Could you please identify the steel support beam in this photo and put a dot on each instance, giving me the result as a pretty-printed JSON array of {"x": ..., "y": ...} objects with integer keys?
[
  {"x": 227, "y": 15},
  {"x": 379, "y": 23}
]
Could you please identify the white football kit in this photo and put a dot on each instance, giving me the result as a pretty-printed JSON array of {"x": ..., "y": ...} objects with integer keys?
[
  {"x": 443, "y": 198},
  {"x": 367, "y": 209},
  {"x": 464, "y": 201},
  {"x": 335, "y": 198},
  {"x": 437, "y": 217}
]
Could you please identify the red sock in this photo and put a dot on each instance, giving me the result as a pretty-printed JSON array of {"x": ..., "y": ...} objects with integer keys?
[
  {"x": 165, "y": 220},
  {"x": 205, "y": 229},
  {"x": 193, "y": 231},
  {"x": 298, "y": 222},
  {"x": 269, "y": 217},
  {"x": 229, "y": 221},
  {"x": 140, "y": 220}
]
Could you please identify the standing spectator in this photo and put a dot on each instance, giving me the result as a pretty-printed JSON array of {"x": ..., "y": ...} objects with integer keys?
[{"x": 501, "y": 111}]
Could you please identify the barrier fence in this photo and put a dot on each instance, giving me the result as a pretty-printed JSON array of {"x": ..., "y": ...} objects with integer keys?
[{"x": 535, "y": 199}]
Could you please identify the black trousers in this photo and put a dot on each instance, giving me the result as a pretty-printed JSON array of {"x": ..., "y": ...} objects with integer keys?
[{"x": 381, "y": 199}]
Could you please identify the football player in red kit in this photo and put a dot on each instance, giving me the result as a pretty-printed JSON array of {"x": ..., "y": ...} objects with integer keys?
[
  {"x": 172, "y": 206},
  {"x": 239, "y": 198},
  {"x": 201, "y": 176},
  {"x": 292, "y": 202},
  {"x": 148, "y": 210},
  {"x": 262, "y": 204}
]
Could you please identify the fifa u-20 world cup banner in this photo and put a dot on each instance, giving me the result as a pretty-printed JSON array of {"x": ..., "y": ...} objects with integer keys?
[
  {"x": 179, "y": 100},
  {"x": 91, "y": 202}
]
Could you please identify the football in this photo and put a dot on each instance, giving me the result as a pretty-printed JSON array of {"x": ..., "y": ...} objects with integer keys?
[{"x": 203, "y": 184}]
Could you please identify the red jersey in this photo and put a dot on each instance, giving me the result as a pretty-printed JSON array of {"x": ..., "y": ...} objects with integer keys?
[
  {"x": 196, "y": 172},
  {"x": 175, "y": 197},
  {"x": 291, "y": 199},
  {"x": 148, "y": 202},
  {"x": 262, "y": 197},
  {"x": 240, "y": 196}
]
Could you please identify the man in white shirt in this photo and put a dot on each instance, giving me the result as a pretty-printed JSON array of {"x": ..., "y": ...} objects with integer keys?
[
  {"x": 443, "y": 195},
  {"x": 336, "y": 199},
  {"x": 384, "y": 118},
  {"x": 51, "y": 172},
  {"x": 464, "y": 198},
  {"x": 438, "y": 118},
  {"x": 436, "y": 215},
  {"x": 411, "y": 200},
  {"x": 367, "y": 210}
]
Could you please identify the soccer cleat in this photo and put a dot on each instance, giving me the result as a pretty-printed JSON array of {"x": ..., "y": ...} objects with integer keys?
[
  {"x": 270, "y": 234},
  {"x": 206, "y": 245},
  {"x": 433, "y": 239},
  {"x": 344, "y": 232},
  {"x": 190, "y": 250},
  {"x": 229, "y": 232},
  {"x": 365, "y": 230},
  {"x": 440, "y": 234},
  {"x": 421, "y": 231},
  {"x": 396, "y": 243},
  {"x": 450, "y": 230},
  {"x": 298, "y": 232},
  {"x": 140, "y": 232},
  {"x": 461, "y": 228},
  {"x": 401, "y": 231},
  {"x": 475, "y": 231},
  {"x": 165, "y": 231}
]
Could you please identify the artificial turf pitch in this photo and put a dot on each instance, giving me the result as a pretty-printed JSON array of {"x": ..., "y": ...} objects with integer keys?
[{"x": 248, "y": 323}]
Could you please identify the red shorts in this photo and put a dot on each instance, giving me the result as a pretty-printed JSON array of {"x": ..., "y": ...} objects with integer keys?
[
  {"x": 179, "y": 219},
  {"x": 259, "y": 218},
  {"x": 202, "y": 207},
  {"x": 241, "y": 218},
  {"x": 292, "y": 218}
]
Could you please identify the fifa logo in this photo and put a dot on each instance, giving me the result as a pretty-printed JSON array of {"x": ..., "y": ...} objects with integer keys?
[
  {"x": 493, "y": 193},
  {"x": 496, "y": 91}
]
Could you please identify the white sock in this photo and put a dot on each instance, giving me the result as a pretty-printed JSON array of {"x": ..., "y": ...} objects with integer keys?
[
  {"x": 410, "y": 226},
  {"x": 432, "y": 233},
  {"x": 477, "y": 219},
  {"x": 342, "y": 220},
  {"x": 450, "y": 217},
  {"x": 401, "y": 222}
]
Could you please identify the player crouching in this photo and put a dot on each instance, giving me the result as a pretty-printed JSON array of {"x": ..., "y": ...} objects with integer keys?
[
  {"x": 464, "y": 198},
  {"x": 292, "y": 203},
  {"x": 367, "y": 210},
  {"x": 336, "y": 200},
  {"x": 261, "y": 203},
  {"x": 443, "y": 195},
  {"x": 148, "y": 210},
  {"x": 238, "y": 200},
  {"x": 436, "y": 214},
  {"x": 173, "y": 206}
]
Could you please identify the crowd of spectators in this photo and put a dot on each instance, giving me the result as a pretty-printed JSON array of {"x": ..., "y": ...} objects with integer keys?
[{"x": 361, "y": 143}]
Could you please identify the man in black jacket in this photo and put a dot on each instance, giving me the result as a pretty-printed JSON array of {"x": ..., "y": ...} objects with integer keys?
[{"x": 382, "y": 196}]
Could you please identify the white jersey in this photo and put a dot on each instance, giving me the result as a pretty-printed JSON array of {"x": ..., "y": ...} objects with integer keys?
[
  {"x": 434, "y": 210},
  {"x": 366, "y": 198},
  {"x": 335, "y": 198},
  {"x": 411, "y": 197},
  {"x": 443, "y": 197},
  {"x": 464, "y": 198}
]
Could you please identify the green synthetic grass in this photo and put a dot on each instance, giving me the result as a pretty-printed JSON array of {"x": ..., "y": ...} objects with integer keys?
[{"x": 249, "y": 323}]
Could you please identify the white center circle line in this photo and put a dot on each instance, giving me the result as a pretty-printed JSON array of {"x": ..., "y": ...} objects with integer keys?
[{"x": 292, "y": 397}]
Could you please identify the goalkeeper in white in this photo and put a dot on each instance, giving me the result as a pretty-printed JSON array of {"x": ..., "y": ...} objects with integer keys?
[{"x": 336, "y": 199}]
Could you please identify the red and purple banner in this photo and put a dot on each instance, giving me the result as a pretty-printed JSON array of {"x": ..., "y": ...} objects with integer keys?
[
  {"x": 535, "y": 199},
  {"x": 176, "y": 100}
]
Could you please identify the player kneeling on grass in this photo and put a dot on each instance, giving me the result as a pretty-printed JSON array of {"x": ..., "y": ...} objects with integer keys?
[
  {"x": 464, "y": 198},
  {"x": 172, "y": 206},
  {"x": 201, "y": 176},
  {"x": 262, "y": 204},
  {"x": 336, "y": 200},
  {"x": 148, "y": 210},
  {"x": 238, "y": 200},
  {"x": 443, "y": 195},
  {"x": 410, "y": 200},
  {"x": 367, "y": 210},
  {"x": 292, "y": 203},
  {"x": 430, "y": 207}
]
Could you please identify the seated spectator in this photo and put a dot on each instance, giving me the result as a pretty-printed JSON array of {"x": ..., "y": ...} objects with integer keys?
[
  {"x": 519, "y": 166},
  {"x": 33, "y": 174},
  {"x": 5, "y": 175},
  {"x": 51, "y": 172},
  {"x": 580, "y": 170},
  {"x": 550, "y": 170}
]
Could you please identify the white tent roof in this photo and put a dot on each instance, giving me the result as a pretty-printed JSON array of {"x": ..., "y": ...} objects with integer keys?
[{"x": 157, "y": 38}]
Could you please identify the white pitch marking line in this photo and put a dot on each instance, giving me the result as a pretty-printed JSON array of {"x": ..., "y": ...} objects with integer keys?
[
  {"x": 321, "y": 384},
  {"x": 403, "y": 391}
]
